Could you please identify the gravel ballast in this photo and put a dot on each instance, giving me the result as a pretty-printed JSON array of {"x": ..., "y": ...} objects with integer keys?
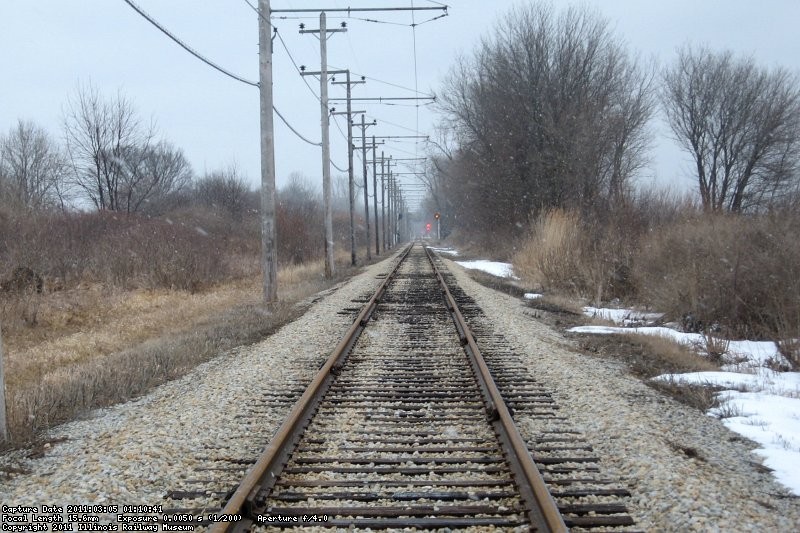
[
  {"x": 686, "y": 471},
  {"x": 134, "y": 453}
]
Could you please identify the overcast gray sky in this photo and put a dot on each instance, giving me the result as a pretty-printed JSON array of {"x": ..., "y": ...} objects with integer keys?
[{"x": 48, "y": 47}]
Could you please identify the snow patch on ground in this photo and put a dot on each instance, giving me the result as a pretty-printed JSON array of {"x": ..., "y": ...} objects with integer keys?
[
  {"x": 446, "y": 250},
  {"x": 625, "y": 317},
  {"x": 532, "y": 295},
  {"x": 495, "y": 268},
  {"x": 765, "y": 408},
  {"x": 756, "y": 402},
  {"x": 742, "y": 354}
]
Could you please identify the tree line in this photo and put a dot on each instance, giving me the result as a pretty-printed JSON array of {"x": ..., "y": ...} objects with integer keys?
[
  {"x": 552, "y": 111},
  {"x": 110, "y": 159}
]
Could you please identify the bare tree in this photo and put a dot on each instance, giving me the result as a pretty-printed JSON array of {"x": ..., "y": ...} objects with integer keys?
[
  {"x": 152, "y": 175},
  {"x": 340, "y": 193},
  {"x": 629, "y": 137},
  {"x": 299, "y": 217},
  {"x": 739, "y": 122},
  {"x": 548, "y": 112},
  {"x": 224, "y": 190},
  {"x": 99, "y": 134},
  {"x": 32, "y": 168}
]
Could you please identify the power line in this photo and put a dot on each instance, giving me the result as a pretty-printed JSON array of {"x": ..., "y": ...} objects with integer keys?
[
  {"x": 416, "y": 83},
  {"x": 286, "y": 48},
  {"x": 280, "y": 37},
  {"x": 294, "y": 130},
  {"x": 185, "y": 46},
  {"x": 385, "y": 82},
  {"x": 211, "y": 63},
  {"x": 391, "y": 123}
]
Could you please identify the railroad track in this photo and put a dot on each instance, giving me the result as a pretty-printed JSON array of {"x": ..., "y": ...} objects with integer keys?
[{"x": 404, "y": 426}]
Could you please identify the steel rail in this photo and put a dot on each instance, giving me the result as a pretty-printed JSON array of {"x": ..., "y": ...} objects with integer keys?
[
  {"x": 542, "y": 507},
  {"x": 261, "y": 478},
  {"x": 275, "y": 454}
]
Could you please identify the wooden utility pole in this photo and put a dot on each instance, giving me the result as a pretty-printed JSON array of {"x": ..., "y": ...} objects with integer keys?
[
  {"x": 326, "y": 144},
  {"x": 3, "y": 419},
  {"x": 375, "y": 196},
  {"x": 350, "y": 185},
  {"x": 364, "y": 125},
  {"x": 350, "y": 170},
  {"x": 396, "y": 196},
  {"x": 366, "y": 195},
  {"x": 269, "y": 259},
  {"x": 391, "y": 208},
  {"x": 383, "y": 202}
]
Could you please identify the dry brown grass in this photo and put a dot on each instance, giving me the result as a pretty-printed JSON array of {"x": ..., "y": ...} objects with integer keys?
[
  {"x": 701, "y": 397},
  {"x": 90, "y": 322},
  {"x": 588, "y": 258},
  {"x": 551, "y": 257},
  {"x": 95, "y": 347},
  {"x": 647, "y": 356}
]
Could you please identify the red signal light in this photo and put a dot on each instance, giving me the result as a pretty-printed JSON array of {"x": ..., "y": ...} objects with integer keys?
[{"x": 428, "y": 227}]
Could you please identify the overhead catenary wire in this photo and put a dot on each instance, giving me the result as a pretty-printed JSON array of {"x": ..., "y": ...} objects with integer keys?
[
  {"x": 416, "y": 82},
  {"x": 204, "y": 59},
  {"x": 385, "y": 82},
  {"x": 286, "y": 48},
  {"x": 230, "y": 74},
  {"x": 392, "y": 23}
]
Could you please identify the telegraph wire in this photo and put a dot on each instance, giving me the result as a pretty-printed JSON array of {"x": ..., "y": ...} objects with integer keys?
[
  {"x": 384, "y": 82},
  {"x": 199, "y": 56},
  {"x": 416, "y": 83},
  {"x": 185, "y": 46},
  {"x": 294, "y": 130},
  {"x": 280, "y": 37},
  {"x": 391, "y": 123},
  {"x": 286, "y": 48}
]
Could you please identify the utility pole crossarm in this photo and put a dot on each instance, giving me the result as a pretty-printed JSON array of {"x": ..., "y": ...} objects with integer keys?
[
  {"x": 402, "y": 137},
  {"x": 359, "y": 9},
  {"x": 303, "y": 72},
  {"x": 333, "y": 30},
  {"x": 388, "y": 98}
]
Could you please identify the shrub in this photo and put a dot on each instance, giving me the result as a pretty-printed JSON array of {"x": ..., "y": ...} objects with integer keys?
[
  {"x": 733, "y": 271},
  {"x": 183, "y": 251}
]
